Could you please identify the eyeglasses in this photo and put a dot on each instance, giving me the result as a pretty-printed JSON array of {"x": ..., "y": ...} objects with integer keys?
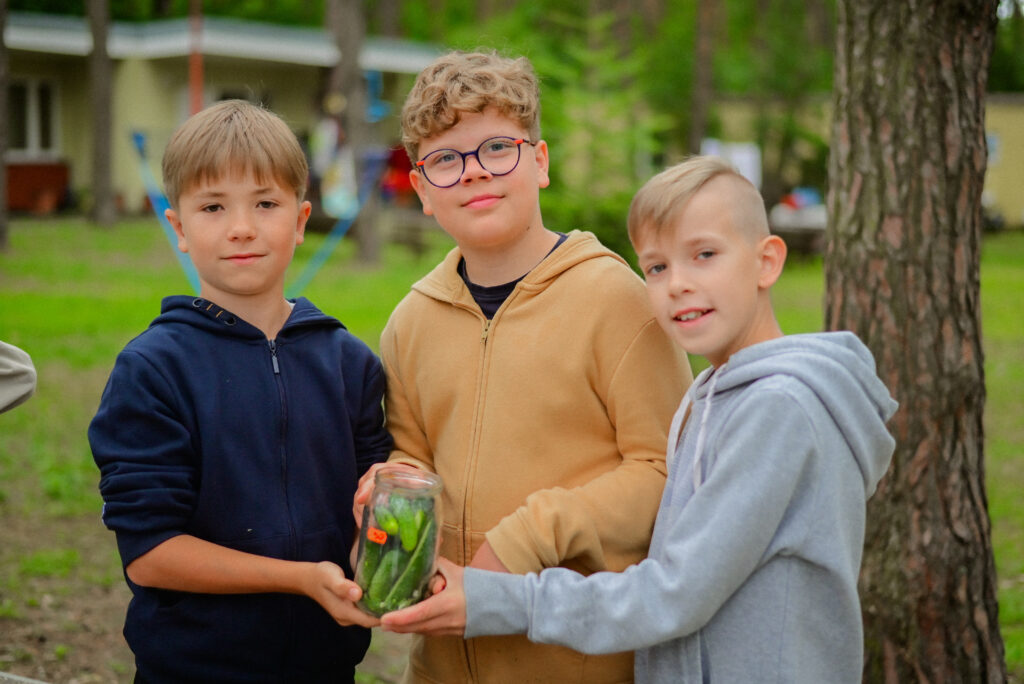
[{"x": 497, "y": 156}]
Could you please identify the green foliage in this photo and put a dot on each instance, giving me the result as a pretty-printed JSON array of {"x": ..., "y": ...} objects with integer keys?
[
  {"x": 73, "y": 7},
  {"x": 1006, "y": 69},
  {"x": 599, "y": 131},
  {"x": 297, "y": 12}
]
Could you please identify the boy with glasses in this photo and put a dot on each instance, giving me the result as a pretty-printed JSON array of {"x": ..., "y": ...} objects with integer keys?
[{"x": 526, "y": 369}]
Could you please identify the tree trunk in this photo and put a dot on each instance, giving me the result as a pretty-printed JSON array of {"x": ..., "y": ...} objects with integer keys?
[
  {"x": 196, "y": 76},
  {"x": 388, "y": 15},
  {"x": 906, "y": 171},
  {"x": 103, "y": 213},
  {"x": 704, "y": 51},
  {"x": 348, "y": 26},
  {"x": 4, "y": 78}
]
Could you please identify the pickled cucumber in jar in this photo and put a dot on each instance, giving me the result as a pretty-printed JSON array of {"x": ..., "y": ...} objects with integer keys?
[{"x": 398, "y": 541}]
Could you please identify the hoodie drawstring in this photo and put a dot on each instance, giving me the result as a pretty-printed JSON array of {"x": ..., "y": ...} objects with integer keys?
[
  {"x": 684, "y": 410},
  {"x": 698, "y": 476}
]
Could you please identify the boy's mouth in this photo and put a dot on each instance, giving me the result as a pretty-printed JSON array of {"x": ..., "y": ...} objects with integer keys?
[
  {"x": 690, "y": 315},
  {"x": 481, "y": 201},
  {"x": 243, "y": 258}
]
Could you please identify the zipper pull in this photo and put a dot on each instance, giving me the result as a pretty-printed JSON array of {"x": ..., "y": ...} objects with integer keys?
[
  {"x": 273, "y": 356},
  {"x": 487, "y": 327}
]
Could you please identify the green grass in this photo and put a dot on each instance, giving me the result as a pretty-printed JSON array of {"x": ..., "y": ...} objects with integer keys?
[
  {"x": 73, "y": 295},
  {"x": 50, "y": 563}
]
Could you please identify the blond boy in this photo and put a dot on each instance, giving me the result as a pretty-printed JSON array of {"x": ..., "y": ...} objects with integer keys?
[
  {"x": 234, "y": 429},
  {"x": 752, "y": 572}
]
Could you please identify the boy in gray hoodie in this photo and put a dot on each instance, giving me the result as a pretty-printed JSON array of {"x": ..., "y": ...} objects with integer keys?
[{"x": 773, "y": 452}]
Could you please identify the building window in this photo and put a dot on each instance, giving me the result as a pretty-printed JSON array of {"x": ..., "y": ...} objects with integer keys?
[{"x": 31, "y": 119}]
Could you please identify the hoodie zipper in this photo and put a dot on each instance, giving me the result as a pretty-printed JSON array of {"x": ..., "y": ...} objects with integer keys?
[
  {"x": 282, "y": 441},
  {"x": 475, "y": 436},
  {"x": 273, "y": 357},
  {"x": 292, "y": 548}
]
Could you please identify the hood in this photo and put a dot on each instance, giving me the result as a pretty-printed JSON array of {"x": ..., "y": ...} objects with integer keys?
[
  {"x": 445, "y": 284},
  {"x": 204, "y": 314},
  {"x": 840, "y": 370}
]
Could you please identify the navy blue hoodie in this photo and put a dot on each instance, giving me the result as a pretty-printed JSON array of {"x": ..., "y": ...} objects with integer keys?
[{"x": 209, "y": 429}]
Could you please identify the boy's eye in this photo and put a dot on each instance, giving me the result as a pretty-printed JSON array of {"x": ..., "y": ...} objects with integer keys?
[
  {"x": 706, "y": 254},
  {"x": 267, "y": 204},
  {"x": 211, "y": 208},
  {"x": 443, "y": 157},
  {"x": 654, "y": 269},
  {"x": 497, "y": 146}
]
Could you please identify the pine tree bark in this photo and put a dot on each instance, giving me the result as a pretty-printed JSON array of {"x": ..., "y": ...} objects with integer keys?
[
  {"x": 906, "y": 172},
  {"x": 104, "y": 211},
  {"x": 703, "y": 87}
]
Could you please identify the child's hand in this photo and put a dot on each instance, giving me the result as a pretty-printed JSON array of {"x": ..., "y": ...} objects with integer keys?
[
  {"x": 444, "y": 613},
  {"x": 365, "y": 488},
  {"x": 328, "y": 586}
]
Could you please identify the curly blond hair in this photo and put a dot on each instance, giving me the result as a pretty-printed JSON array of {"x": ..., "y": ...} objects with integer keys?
[
  {"x": 233, "y": 135},
  {"x": 469, "y": 82}
]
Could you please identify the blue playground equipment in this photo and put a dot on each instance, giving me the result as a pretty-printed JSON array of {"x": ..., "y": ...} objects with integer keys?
[{"x": 159, "y": 202}]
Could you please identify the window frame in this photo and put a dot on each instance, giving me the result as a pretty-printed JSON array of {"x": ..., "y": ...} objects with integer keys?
[{"x": 34, "y": 151}]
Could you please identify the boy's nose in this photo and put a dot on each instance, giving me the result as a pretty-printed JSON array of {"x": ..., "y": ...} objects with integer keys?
[
  {"x": 679, "y": 283},
  {"x": 242, "y": 226},
  {"x": 473, "y": 169}
]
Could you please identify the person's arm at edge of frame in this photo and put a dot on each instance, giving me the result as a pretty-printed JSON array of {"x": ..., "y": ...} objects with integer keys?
[{"x": 17, "y": 376}]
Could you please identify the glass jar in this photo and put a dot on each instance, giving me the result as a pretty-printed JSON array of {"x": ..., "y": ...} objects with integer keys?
[{"x": 398, "y": 540}]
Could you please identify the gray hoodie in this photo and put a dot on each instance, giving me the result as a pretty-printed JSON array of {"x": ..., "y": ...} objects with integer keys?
[{"x": 752, "y": 570}]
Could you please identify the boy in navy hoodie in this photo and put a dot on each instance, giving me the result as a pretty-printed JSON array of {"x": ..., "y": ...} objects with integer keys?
[
  {"x": 752, "y": 570},
  {"x": 232, "y": 432}
]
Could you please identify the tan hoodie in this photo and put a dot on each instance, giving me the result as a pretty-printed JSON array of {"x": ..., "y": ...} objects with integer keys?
[{"x": 548, "y": 426}]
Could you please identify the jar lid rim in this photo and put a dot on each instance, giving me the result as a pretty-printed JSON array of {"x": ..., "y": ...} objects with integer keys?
[{"x": 406, "y": 479}]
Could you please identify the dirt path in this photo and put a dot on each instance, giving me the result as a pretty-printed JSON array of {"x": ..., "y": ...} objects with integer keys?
[{"x": 62, "y": 603}]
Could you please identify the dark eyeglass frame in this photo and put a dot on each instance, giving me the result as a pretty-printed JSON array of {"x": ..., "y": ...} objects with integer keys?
[{"x": 518, "y": 142}]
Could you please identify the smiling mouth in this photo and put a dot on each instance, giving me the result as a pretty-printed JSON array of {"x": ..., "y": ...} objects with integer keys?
[{"x": 691, "y": 315}]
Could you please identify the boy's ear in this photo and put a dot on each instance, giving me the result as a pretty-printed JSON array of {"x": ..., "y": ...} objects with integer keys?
[
  {"x": 419, "y": 184},
  {"x": 772, "y": 257},
  {"x": 300, "y": 227},
  {"x": 172, "y": 218},
  {"x": 543, "y": 163}
]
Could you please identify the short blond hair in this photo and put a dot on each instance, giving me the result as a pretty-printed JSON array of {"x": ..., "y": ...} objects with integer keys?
[
  {"x": 662, "y": 197},
  {"x": 469, "y": 82},
  {"x": 233, "y": 135}
]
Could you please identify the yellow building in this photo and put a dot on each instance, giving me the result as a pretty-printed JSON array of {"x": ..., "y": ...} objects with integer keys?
[
  {"x": 1004, "y": 182},
  {"x": 1004, "y": 125},
  {"x": 49, "y": 121}
]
